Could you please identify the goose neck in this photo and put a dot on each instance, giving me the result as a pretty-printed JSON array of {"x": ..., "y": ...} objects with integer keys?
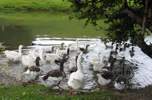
[
  {"x": 79, "y": 60},
  {"x": 53, "y": 49},
  {"x": 77, "y": 43},
  {"x": 57, "y": 51},
  {"x": 20, "y": 50},
  {"x": 61, "y": 66},
  {"x": 41, "y": 54}
]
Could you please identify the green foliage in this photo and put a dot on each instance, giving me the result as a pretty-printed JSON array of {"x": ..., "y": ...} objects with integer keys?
[
  {"x": 2, "y": 48},
  {"x": 135, "y": 3},
  {"x": 46, "y": 5},
  {"x": 121, "y": 26},
  {"x": 121, "y": 29},
  {"x": 94, "y": 10}
]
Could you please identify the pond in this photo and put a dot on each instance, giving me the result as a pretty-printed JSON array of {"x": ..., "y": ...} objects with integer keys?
[{"x": 22, "y": 27}]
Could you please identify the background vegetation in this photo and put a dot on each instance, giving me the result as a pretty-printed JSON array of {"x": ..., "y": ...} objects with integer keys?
[{"x": 30, "y": 5}]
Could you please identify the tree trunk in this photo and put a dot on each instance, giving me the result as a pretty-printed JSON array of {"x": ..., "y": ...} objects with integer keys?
[
  {"x": 144, "y": 17},
  {"x": 139, "y": 20},
  {"x": 147, "y": 49}
]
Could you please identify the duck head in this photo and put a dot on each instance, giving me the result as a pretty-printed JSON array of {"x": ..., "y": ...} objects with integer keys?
[
  {"x": 85, "y": 50},
  {"x": 37, "y": 61}
]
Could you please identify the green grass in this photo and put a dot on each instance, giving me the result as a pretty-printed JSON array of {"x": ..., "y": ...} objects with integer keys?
[
  {"x": 38, "y": 92},
  {"x": 58, "y": 5}
]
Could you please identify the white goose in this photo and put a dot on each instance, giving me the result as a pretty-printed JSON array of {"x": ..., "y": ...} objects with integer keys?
[
  {"x": 98, "y": 63},
  {"x": 29, "y": 59},
  {"x": 119, "y": 86},
  {"x": 14, "y": 55},
  {"x": 76, "y": 79},
  {"x": 42, "y": 56},
  {"x": 61, "y": 52},
  {"x": 50, "y": 57}
]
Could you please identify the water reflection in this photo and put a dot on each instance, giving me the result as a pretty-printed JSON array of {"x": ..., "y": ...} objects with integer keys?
[{"x": 13, "y": 34}]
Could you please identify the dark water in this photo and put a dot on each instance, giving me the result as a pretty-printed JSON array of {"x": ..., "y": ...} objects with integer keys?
[
  {"x": 12, "y": 34},
  {"x": 22, "y": 27}
]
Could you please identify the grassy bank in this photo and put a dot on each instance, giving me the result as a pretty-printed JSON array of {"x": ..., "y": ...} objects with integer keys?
[
  {"x": 38, "y": 92},
  {"x": 46, "y": 5}
]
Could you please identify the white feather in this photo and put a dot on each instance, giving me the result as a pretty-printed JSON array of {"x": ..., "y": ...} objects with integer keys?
[
  {"x": 14, "y": 55},
  {"x": 76, "y": 79}
]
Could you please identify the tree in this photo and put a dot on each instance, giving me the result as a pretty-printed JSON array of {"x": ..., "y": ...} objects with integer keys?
[{"x": 127, "y": 19}]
